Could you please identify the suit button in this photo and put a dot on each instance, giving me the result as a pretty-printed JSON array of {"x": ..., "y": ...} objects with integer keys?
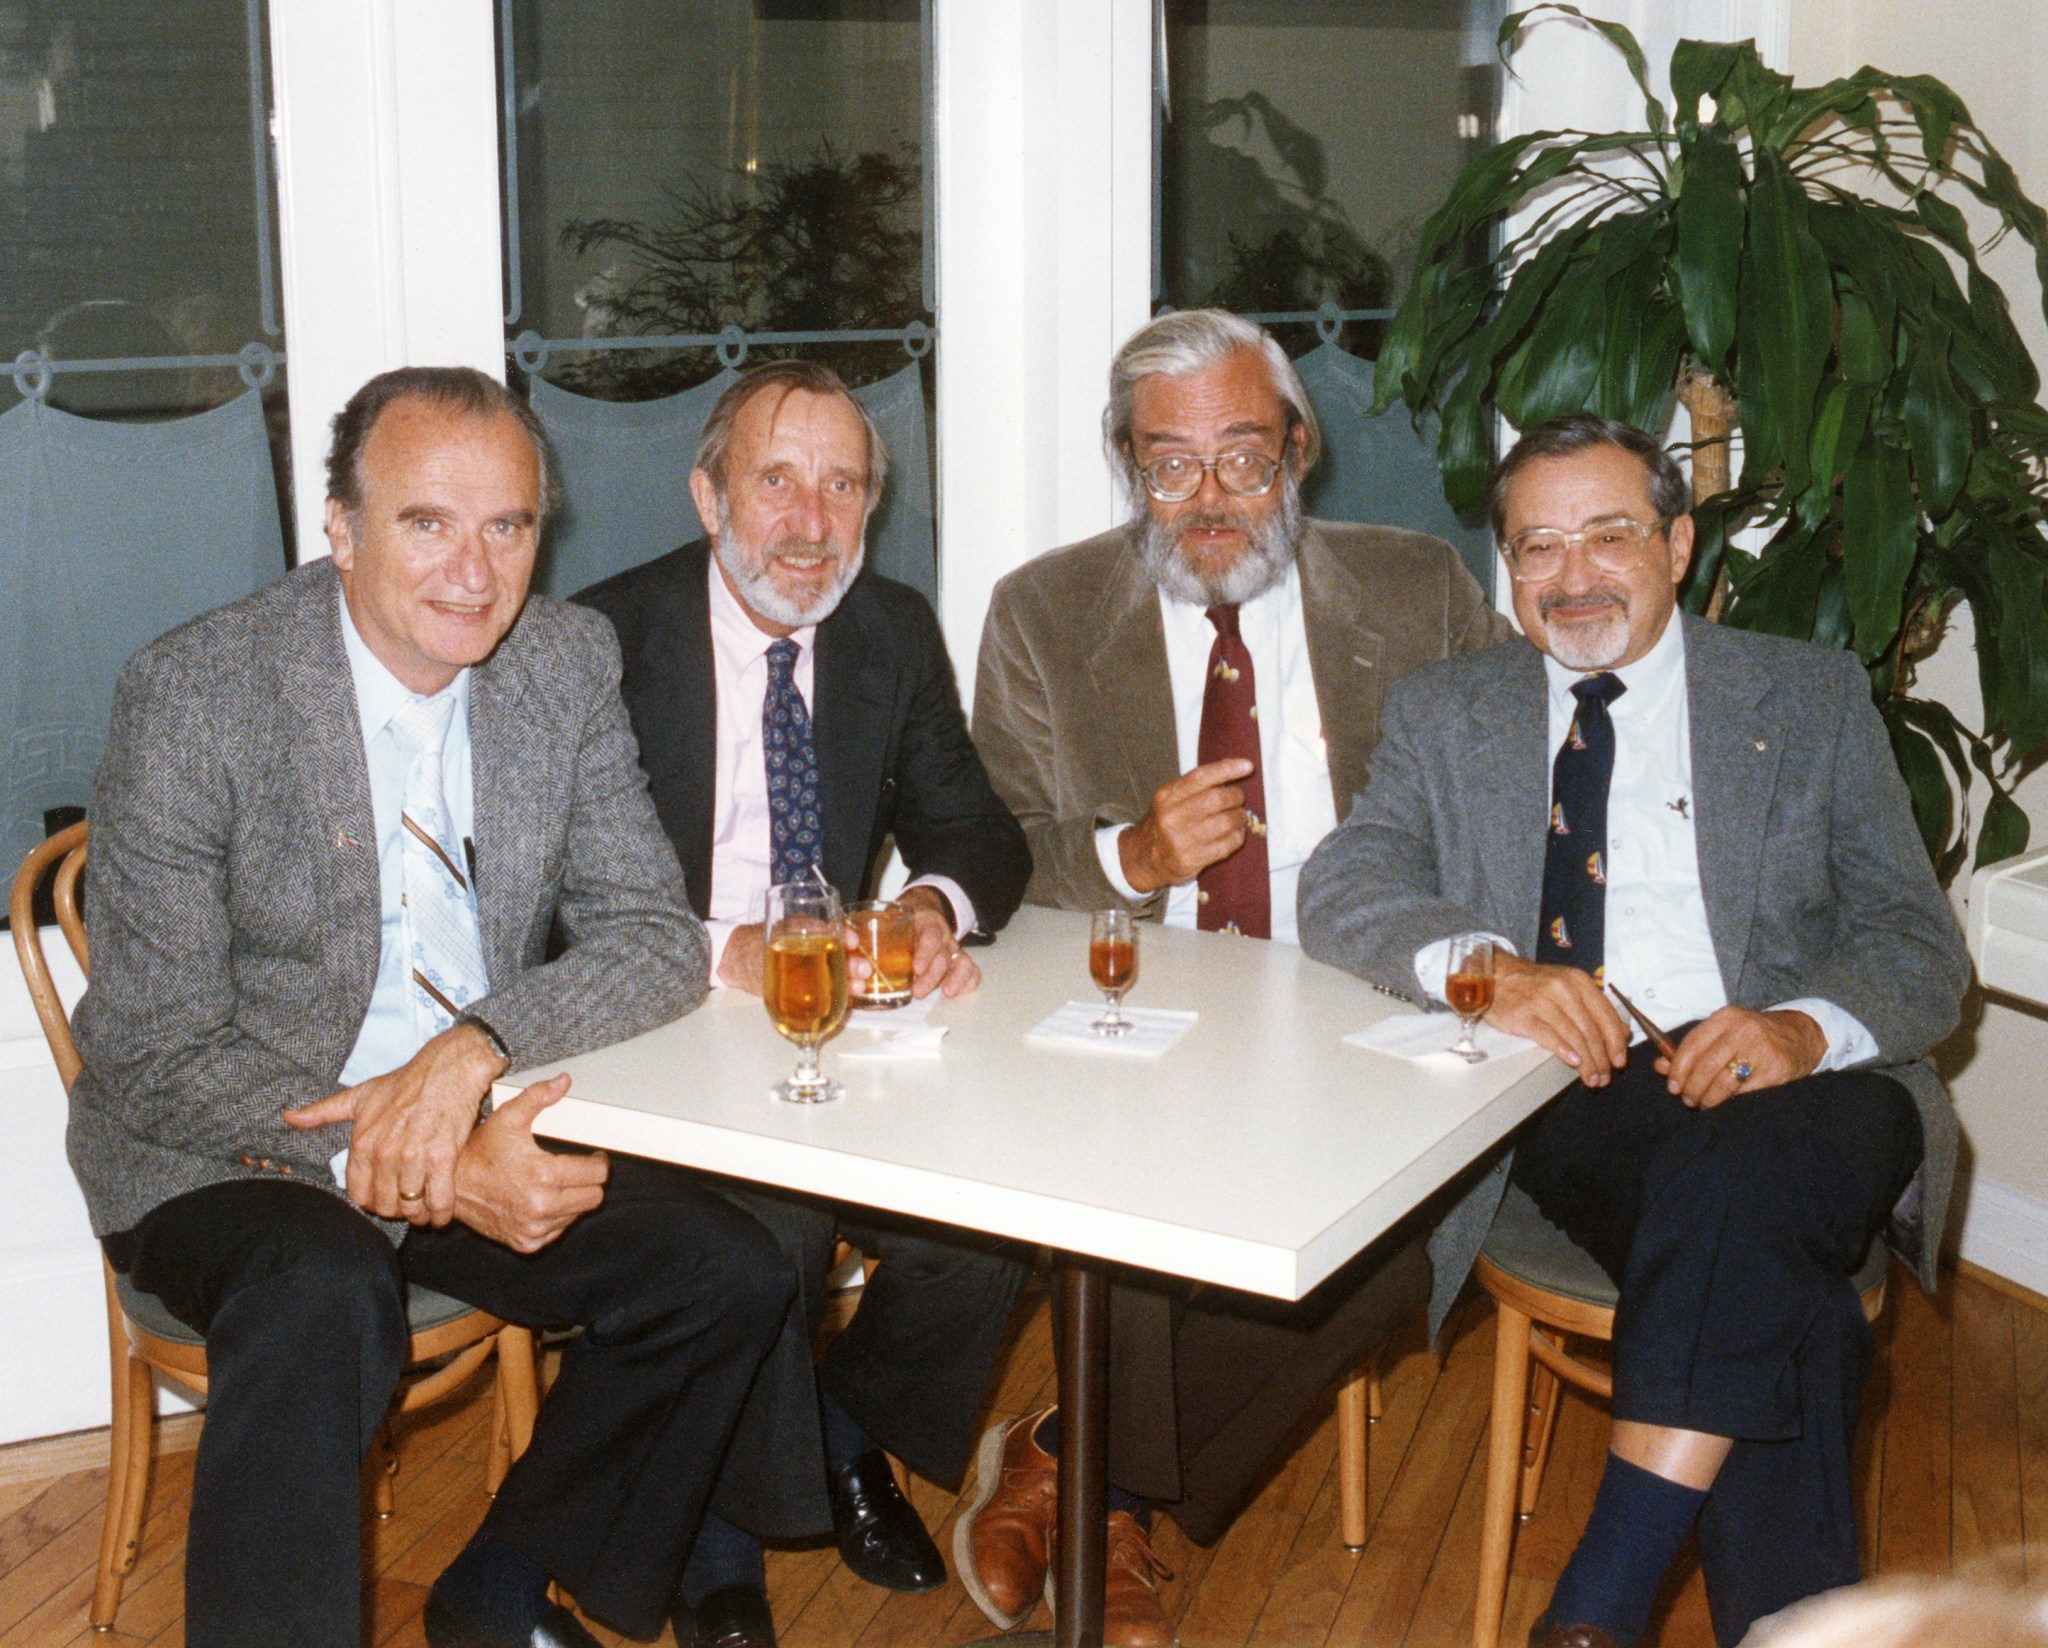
[
  {"x": 286, "y": 1170},
  {"x": 248, "y": 1161}
]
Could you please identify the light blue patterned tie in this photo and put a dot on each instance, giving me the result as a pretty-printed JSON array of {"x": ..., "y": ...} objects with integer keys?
[
  {"x": 444, "y": 956},
  {"x": 796, "y": 835}
]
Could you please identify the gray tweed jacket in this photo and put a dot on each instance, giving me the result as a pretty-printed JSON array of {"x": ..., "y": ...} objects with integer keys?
[
  {"x": 1815, "y": 880},
  {"x": 233, "y": 900}
]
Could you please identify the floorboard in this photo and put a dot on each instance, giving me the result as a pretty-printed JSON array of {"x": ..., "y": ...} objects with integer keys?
[{"x": 1951, "y": 1467}]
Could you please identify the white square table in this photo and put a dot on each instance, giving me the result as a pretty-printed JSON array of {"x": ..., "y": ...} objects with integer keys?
[{"x": 1259, "y": 1152}]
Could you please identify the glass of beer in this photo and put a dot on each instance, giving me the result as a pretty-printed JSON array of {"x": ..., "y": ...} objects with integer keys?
[
  {"x": 804, "y": 983},
  {"x": 884, "y": 931},
  {"x": 1468, "y": 987},
  {"x": 1113, "y": 965}
]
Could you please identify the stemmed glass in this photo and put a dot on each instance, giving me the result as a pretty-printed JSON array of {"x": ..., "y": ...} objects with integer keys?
[
  {"x": 1113, "y": 965},
  {"x": 804, "y": 984},
  {"x": 1468, "y": 987}
]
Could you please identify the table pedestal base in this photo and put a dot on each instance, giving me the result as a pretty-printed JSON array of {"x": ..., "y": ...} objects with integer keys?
[{"x": 1081, "y": 1341}]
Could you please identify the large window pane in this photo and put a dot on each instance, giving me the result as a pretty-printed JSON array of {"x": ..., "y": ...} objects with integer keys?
[
  {"x": 692, "y": 185},
  {"x": 1303, "y": 143}
]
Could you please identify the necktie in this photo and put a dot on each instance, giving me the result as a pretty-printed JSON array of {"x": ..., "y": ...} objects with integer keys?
[
  {"x": 1234, "y": 895},
  {"x": 444, "y": 955},
  {"x": 1575, "y": 849},
  {"x": 796, "y": 834}
]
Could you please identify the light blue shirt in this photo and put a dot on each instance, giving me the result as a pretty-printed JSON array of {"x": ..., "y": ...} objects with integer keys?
[{"x": 387, "y": 1038}]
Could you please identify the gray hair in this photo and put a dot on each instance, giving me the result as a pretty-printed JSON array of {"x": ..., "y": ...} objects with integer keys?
[
  {"x": 1185, "y": 341},
  {"x": 459, "y": 389},
  {"x": 789, "y": 376},
  {"x": 1575, "y": 432}
]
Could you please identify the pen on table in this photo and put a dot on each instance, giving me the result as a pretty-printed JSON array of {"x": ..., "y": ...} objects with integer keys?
[{"x": 1658, "y": 1039}]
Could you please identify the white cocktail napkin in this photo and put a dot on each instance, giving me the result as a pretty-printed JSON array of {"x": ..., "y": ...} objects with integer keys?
[
  {"x": 1426, "y": 1038},
  {"x": 877, "y": 1033},
  {"x": 1153, "y": 1029}
]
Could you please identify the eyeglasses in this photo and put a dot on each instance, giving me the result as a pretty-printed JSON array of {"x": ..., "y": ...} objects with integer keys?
[
  {"x": 1177, "y": 477},
  {"x": 1538, "y": 555}
]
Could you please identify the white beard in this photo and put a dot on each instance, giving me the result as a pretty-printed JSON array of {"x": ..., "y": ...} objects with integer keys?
[
  {"x": 1590, "y": 644},
  {"x": 1267, "y": 555},
  {"x": 747, "y": 565}
]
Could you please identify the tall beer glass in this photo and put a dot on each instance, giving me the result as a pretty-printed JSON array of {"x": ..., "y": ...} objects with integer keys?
[{"x": 804, "y": 986}]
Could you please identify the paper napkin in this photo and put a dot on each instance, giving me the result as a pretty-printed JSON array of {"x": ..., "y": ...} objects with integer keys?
[
  {"x": 1426, "y": 1038},
  {"x": 1153, "y": 1029}
]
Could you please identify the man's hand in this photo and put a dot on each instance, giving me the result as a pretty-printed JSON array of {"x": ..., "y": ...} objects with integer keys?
[
  {"x": 1777, "y": 1047},
  {"x": 937, "y": 961},
  {"x": 1560, "y": 1008},
  {"x": 1193, "y": 822},
  {"x": 514, "y": 1192},
  {"x": 744, "y": 965},
  {"x": 411, "y": 1124}
]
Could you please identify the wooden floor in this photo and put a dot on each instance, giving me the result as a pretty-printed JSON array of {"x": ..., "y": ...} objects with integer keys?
[{"x": 1952, "y": 1467}]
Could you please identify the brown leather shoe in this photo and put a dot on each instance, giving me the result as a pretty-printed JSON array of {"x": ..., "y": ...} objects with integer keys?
[
  {"x": 1542, "y": 1635},
  {"x": 1131, "y": 1571},
  {"x": 1002, "y": 1542}
]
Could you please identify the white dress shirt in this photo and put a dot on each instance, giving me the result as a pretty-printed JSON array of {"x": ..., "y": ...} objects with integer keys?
[
  {"x": 741, "y": 856},
  {"x": 1300, "y": 808},
  {"x": 1659, "y": 949}
]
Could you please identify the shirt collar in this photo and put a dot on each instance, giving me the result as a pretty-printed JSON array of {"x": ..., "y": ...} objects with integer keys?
[
  {"x": 379, "y": 693},
  {"x": 1650, "y": 680},
  {"x": 733, "y": 627}
]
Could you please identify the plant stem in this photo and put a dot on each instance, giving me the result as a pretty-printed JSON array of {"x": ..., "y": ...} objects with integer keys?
[{"x": 1712, "y": 410}]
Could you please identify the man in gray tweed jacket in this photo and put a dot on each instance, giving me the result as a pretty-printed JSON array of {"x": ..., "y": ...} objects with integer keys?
[
  {"x": 277, "y": 1122},
  {"x": 1712, "y": 822}
]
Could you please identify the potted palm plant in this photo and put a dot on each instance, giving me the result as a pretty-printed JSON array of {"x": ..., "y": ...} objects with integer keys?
[{"x": 1791, "y": 263}]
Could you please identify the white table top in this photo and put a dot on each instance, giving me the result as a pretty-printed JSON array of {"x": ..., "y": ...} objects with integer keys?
[{"x": 1259, "y": 1152}]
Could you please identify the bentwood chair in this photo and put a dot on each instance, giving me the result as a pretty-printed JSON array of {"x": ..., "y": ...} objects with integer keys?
[
  {"x": 449, "y": 1339},
  {"x": 1548, "y": 1292}
]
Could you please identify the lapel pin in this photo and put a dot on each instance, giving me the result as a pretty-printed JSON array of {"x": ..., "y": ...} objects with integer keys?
[
  {"x": 343, "y": 841},
  {"x": 1760, "y": 746}
]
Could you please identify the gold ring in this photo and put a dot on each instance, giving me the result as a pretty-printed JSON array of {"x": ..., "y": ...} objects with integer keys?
[{"x": 412, "y": 1195}]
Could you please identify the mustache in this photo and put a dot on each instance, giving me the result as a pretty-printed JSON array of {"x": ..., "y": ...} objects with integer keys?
[
  {"x": 1556, "y": 598},
  {"x": 1209, "y": 520}
]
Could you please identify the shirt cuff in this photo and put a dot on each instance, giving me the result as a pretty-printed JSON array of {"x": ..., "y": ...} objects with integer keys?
[
  {"x": 720, "y": 934},
  {"x": 1849, "y": 1043},
  {"x": 1112, "y": 860},
  {"x": 1433, "y": 964},
  {"x": 963, "y": 906}
]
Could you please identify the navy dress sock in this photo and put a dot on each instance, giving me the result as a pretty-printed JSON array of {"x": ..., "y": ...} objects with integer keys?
[
  {"x": 845, "y": 1441},
  {"x": 723, "y": 1555},
  {"x": 1047, "y": 1436},
  {"x": 495, "y": 1588},
  {"x": 1639, "y": 1520}
]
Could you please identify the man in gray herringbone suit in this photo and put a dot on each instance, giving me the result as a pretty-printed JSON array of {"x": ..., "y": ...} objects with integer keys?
[
  {"x": 340, "y": 830},
  {"x": 1711, "y": 822}
]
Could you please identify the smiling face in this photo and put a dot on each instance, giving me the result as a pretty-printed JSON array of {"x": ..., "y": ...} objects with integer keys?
[
  {"x": 788, "y": 521},
  {"x": 1585, "y": 618},
  {"x": 1215, "y": 544},
  {"x": 436, "y": 563}
]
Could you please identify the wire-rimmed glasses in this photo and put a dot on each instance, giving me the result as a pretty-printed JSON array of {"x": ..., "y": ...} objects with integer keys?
[
  {"x": 1538, "y": 555},
  {"x": 1177, "y": 476}
]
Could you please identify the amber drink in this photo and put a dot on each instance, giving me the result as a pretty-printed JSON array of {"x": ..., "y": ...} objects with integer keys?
[
  {"x": 886, "y": 935},
  {"x": 803, "y": 982},
  {"x": 1468, "y": 987},
  {"x": 1113, "y": 965}
]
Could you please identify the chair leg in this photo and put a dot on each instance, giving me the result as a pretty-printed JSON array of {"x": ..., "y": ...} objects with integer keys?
[
  {"x": 1545, "y": 1394},
  {"x": 1354, "y": 1450},
  {"x": 1375, "y": 1394},
  {"x": 498, "y": 1460},
  {"x": 1503, "y": 1469},
  {"x": 519, "y": 1380},
  {"x": 384, "y": 1466},
  {"x": 117, "y": 1539}
]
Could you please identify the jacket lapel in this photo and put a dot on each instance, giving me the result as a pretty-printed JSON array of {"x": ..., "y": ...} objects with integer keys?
[
  {"x": 1345, "y": 656},
  {"x": 1736, "y": 746},
  {"x": 850, "y": 725},
  {"x": 509, "y": 825},
  {"x": 678, "y": 720},
  {"x": 1133, "y": 689},
  {"x": 327, "y": 760},
  {"x": 1508, "y": 731}
]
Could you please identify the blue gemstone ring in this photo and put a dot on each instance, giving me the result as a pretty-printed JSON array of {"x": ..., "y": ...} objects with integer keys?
[{"x": 1739, "y": 1069}]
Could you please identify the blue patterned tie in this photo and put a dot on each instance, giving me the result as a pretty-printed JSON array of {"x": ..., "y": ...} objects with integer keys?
[
  {"x": 796, "y": 834},
  {"x": 444, "y": 957},
  {"x": 1574, "y": 932}
]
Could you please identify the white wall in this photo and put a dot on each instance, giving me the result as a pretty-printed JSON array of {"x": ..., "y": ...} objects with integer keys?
[{"x": 1989, "y": 52}]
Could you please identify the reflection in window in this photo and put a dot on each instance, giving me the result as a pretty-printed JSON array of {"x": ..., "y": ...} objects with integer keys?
[
  {"x": 1302, "y": 144},
  {"x": 692, "y": 185}
]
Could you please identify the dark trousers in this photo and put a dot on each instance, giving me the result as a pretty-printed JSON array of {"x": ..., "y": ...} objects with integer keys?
[
  {"x": 1208, "y": 1385},
  {"x": 301, "y": 1300},
  {"x": 911, "y": 1368},
  {"x": 1733, "y": 1233}
]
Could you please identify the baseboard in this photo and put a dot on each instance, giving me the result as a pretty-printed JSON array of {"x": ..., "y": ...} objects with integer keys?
[
  {"x": 49, "y": 1456},
  {"x": 2006, "y": 1233}
]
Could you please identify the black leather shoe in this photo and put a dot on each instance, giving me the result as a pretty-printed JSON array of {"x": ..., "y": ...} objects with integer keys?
[
  {"x": 557, "y": 1628},
  {"x": 880, "y": 1536},
  {"x": 733, "y": 1616}
]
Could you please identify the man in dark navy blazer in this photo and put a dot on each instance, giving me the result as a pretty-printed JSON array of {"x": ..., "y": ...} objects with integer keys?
[{"x": 792, "y": 710}]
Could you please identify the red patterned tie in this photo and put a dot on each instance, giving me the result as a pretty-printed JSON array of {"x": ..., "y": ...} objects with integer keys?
[{"x": 1235, "y": 894}]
